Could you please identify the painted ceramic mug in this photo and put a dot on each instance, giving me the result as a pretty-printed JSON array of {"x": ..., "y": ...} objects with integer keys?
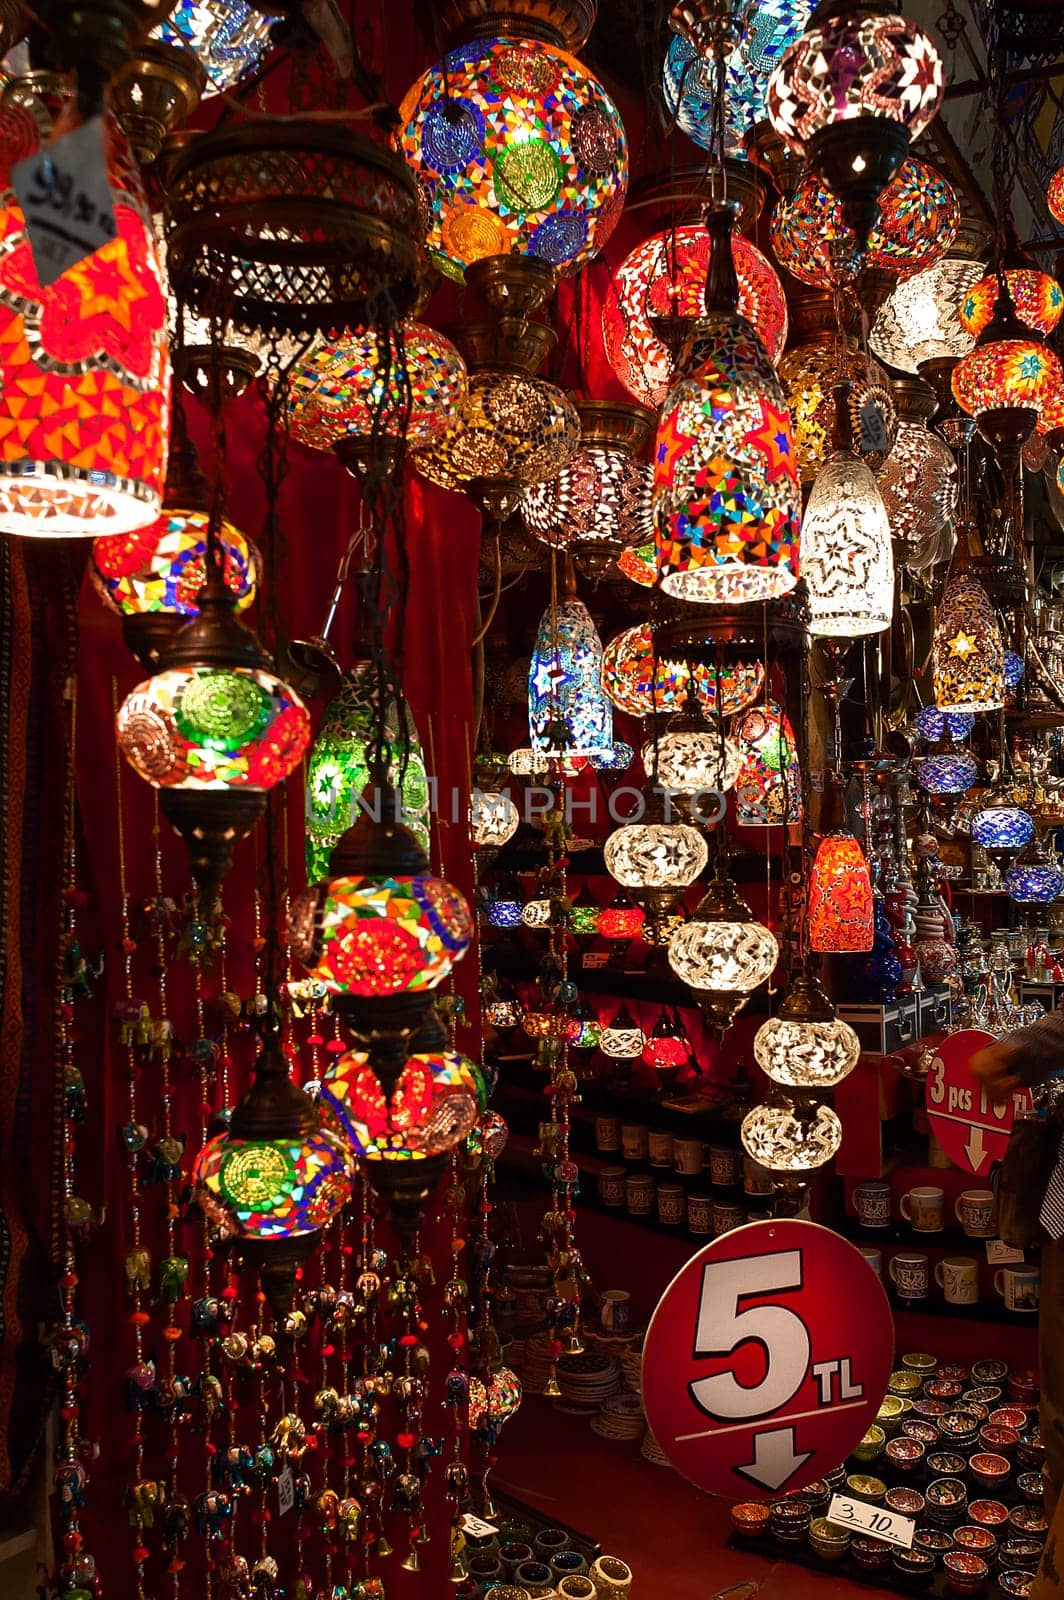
[
  {"x": 1018, "y": 1287},
  {"x": 974, "y": 1211},
  {"x": 672, "y": 1204},
  {"x": 660, "y": 1146},
  {"x": 910, "y": 1275},
  {"x": 607, "y": 1133},
  {"x": 639, "y": 1193},
  {"x": 635, "y": 1141},
  {"x": 700, "y": 1213},
  {"x": 611, "y": 1186},
  {"x": 923, "y": 1208},
  {"x": 958, "y": 1278},
  {"x": 726, "y": 1216},
  {"x": 617, "y": 1312},
  {"x": 687, "y": 1155},
  {"x": 725, "y": 1166},
  {"x": 872, "y": 1204}
]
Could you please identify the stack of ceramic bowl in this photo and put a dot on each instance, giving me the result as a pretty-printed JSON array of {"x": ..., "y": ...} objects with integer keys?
[
  {"x": 620, "y": 1418},
  {"x": 913, "y": 1567},
  {"x": 651, "y": 1451},
  {"x": 586, "y": 1380},
  {"x": 827, "y": 1541},
  {"x": 947, "y": 1503},
  {"x": 905, "y": 1501},
  {"x": 749, "y": 1520},
  {"x": 959, "y": 1430},
  {"x": 966, "y": 1572},
  {"x": 632, "y": 1368},
  {"x": 864, "y": 1486},
  {"x": 789, "y": 1522},
  {"x": 872, "y": 1556}
]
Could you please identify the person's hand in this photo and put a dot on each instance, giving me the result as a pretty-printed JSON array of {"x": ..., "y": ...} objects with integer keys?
[{"x": 995, "y": 1069}]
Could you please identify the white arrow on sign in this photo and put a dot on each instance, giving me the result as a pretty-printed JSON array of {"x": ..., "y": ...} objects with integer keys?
[
  {"x": 775, "y": 1458},
  {"x": 974, "y": 1149}
]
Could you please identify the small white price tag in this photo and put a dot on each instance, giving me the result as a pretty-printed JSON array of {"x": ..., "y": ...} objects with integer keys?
[
  {"x": 998, "y": 1252},
  {"x": 474, "y": 1528},
  {"x": 66, "y": 199},
  {"x": 595, "y": 958},
  {"x": 874, "y": 438},
  {"x": 889, "y": 1526},
  {"x": 286, "y": 1492}
]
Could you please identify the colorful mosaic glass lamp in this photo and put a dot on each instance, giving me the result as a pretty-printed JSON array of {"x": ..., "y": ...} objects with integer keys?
[
  {"x": 810, "y": 373},
  {"x": 768, "y": 788},
  {"x": 275, "y": 1178},
  {"x": 840, "y": 915},
  {"x": 569, "y": 713},
  {"x": 598, "y": 505},
  {"x": 919, "y": 480},
  {"x": 83, "y": 366},
  {"x": 725, "y": 480},
  {"x": 967, "y": 648},
  {"x": 152, "y": 576},
  {"x": 518, "y": 149},
  {"x": 853, "y": 92},
  {"x": 805, "y": 1045},
  {"x": 657, "y": 294},
  {"x": 754, "y": 41},
  {"x": 339, "y": 401},
  {"x": 229, "y": 37},
  {"x": 918, "y": 328},
  {"x": 213, "y": 730}
]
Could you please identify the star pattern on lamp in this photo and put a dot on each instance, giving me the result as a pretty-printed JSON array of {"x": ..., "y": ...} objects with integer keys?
[
  {"x": 672, "y": 444},
  {"x": 771, "y": 438},
  {"x": 962, "y": 644}
]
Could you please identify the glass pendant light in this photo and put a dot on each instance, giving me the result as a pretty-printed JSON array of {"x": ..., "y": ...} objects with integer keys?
[
  {"x": 722, "y": 953},
  {"x": 599, "y": 504},
  {"x": 768, "y": 788},
  {"x": 622, "y": 1039},
  {"x": 791, "y": 1133},
  {"x": 655, "y": 855},
  {"x": 1036, "y": 877},
  {"x": 1055, "y": 196},
  {"x": 517, "y": 149},
  {"x": 756, "y": 43},
  {"x": 229, "y": 37},
  {"x": 725, "y": 482},
  {"x": 1001, "y": 827},
  {"x": 569, "y": 714},
  {"x": 493, "y": 818},
  {"x": 1011, "y": 369},
  {"x": 663, "y": 280},
  {"x": 847, "y": 555},
  {"x": 693, "y": 756},
  {"x": 667, "y": 1048},
  {"x": 840, "y": 885},
  {"x": 932, "y": 724},
  {"x": 853, "y": 92},
  {"x": 920, "y": 321},
  {"x": 946, "y": 770},
  {"x": 967, "y": 652},
  {"x": 919, "y": 479},
  {"x": 810, "y": 374},
  {"x": 805, "y": 1045},
  {"x": 621, "y": 920}
]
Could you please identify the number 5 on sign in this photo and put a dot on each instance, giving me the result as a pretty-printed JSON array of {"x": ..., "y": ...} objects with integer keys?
[{"x": 767, "y": 1359}]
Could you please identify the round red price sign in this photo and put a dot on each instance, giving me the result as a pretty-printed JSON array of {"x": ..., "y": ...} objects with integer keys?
[
  {"x": 971, "y": 1129},
  {"x": 767, "y": 1359}
]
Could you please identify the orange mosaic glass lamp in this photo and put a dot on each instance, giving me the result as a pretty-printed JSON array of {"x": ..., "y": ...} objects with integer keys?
[
  {"x": 840, "y": 896},
  {"x": 84, "y": 367}
]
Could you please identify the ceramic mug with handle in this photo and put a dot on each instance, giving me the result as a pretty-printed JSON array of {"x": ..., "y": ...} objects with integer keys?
[
  {"x": 974, "y": 1211},
  {"x": 958, "y": 1278},
  {"x": 1018, "y": 1287},
  {"x": 923, "y": 1208},
  {"x": 910, "y": 1275}
]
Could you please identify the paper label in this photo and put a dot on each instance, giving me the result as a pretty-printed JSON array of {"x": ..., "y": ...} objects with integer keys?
[
  {"x": 67, "y": 201},
  {"x": 595, "y": 958},
  {"x": 286, "y": 1491},
  {"x": 474, "y": 1528},
  {"x": 890, "y": 1526},
  {"x": 998, "y": 1252}
]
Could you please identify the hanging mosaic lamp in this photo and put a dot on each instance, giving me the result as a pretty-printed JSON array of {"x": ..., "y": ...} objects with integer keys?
[
  {"x": 584, "y": 914},
  {"x": 622, "y": 1039},
  {"x": 598, "y": 506},
  {"x": 338, "y": 772},
  {"x": 214, "y": 730},
  {"x": 768, "y": 788},
  {"x": 916, "y": 224},
  {"x": 568, "y": 711},
  {"x": 628, "y": 668},
  {"x": 338, "y": 398},
  {"x": 83, "y": 366},
  {"x": 504, "y": 906},
  {"x": 431, "y": 1107},
  {"x": 658, "y": 293},
  {"x": 805, "y": 1045},
  {"x": 693, "y": 756},
  {"x": 947, "y": 770},
  {"x": 967, "y": 650},
  {"x": 1037, "y": 300},
  {"x": 274, "y": 1178},
  {"x": 493, "y": 818},
  {"x": 620, "y": 919},
  {"x": 722, "y": 953},
  {"x": 1036, "y": 877},
  {"x": 153, "y": 575},
  {"x": 667, "y": 1047},
  {"x": 919, "y": 480},
  {"x": 517, "y": 149},
  {"x": 618, "y": 758},
  {"x": 1011, "y": 375},
  {"x": 790, "y": 1133},
  {"x": 847, "y": 555},
  {"x": 810, "y": 374},
  {"x": 920, "y": 321},
  {"x": 640, "y": 565},
  {"x": 514, "y": 429},
  {"x": 689, "y": 78},
  {"x": 853, "y": 92},
  {"x": 1055, "y": 196},
  {"x": 725, "y": 481},
  {"x": 655, "y": 861},
  {"x": 932, "y": 724},
  {"x": 840, "y": 896},
  {"x": 1000, "y": 827},
  {"x": 229, "y": 37}
]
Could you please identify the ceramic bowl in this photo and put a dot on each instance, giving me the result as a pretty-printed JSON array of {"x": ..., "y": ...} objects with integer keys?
[
  {"x": 890, "y": 1414},
  {"x": 1009, "y": 1417},
  {"x": 934, "y": 1540},
  {"x": 827, "y": 1541},
  {"x": 915, "y": 1566},
  {"x": 931, "y": 1408},
  {"x": 953, "y": 1369},
  {"x": 904, "y": 1383},
  {"x": 816, "y": 1496},
  {"x": 984, "y": 1394},
  {"x": 862, "y": 1486},
  {"x": 871, "y": 1555},
  {"x": 1023, "y": 1387},
  {"x": 960, "y": 1427},
  {"x": 907, "y": 1502},
  {"x": 919, "y": 1361},
  {"x": 966, "y": 1573},
  {"x": 946, "y": 1464},
  {"x": 994, "y": 1436},
  {"x": 906, "y": 1455},
  {"x": 990, "y": 1471},
  {"x": 1019, "y": 1554},
  {"x": 988, "y": 1514},
  {"x": 749, "y": 1519},
  {"x": 980, "y": 1541},
  {"x": 1015, "y": 1585},
  {"x": 871, "y": 1446},
  {"x": 1031, "y": 1452},
  {"x": 1031, "y": 1487},
  {"x": 943, "y": 1389},
  {"x": 1028, "y": 1522},
  {"x": 920, "y": 1428},
  {"x": 947, "y": 1495},
  {"x": 990, "y": 1371}
]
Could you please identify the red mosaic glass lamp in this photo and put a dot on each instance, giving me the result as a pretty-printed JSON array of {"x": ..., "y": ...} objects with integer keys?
[
  {"x": 84, "y": 367},
  {"x": 840, "y": 888}
]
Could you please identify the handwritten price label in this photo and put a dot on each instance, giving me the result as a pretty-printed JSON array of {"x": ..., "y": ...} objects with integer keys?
[
  {"x": 889, "y": 1526},
  {"x": 474, "y": 1528},
  {"x": 67, "y": 200},
  {"x": 286, "y": 1492}
]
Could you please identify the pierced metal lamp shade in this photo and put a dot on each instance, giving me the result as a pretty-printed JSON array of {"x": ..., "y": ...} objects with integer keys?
[{"x": 601, "y": 496}]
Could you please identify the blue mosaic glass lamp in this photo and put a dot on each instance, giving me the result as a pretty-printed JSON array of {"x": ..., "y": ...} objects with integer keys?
[
  {"x": 229, "y": 37},
  {"x": 760, "y": 36},
  {"x": 569, "y": 713},
  {"x": 933, "y": 724},
  {"x": 1036, "y": 878}
]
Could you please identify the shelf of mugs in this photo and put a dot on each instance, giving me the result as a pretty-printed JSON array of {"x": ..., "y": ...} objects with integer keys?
[
  {"x": 633, "y": 1103},
  {"x": 957, "y": 1449}
]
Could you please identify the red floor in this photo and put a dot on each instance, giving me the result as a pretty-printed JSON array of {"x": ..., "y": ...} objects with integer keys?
[{"x": 671, "y": 1534}]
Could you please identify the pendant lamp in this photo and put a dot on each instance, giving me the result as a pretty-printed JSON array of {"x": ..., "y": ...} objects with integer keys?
[
  {"x": 840, "y": 886},
  {"x": 726, "y": 498},
  {"x": 967, "y": 651},
  {"x": 569, "y": 713},
  {"x": 722, "y": 953},
  {"x": 805, "y": 1045}
]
